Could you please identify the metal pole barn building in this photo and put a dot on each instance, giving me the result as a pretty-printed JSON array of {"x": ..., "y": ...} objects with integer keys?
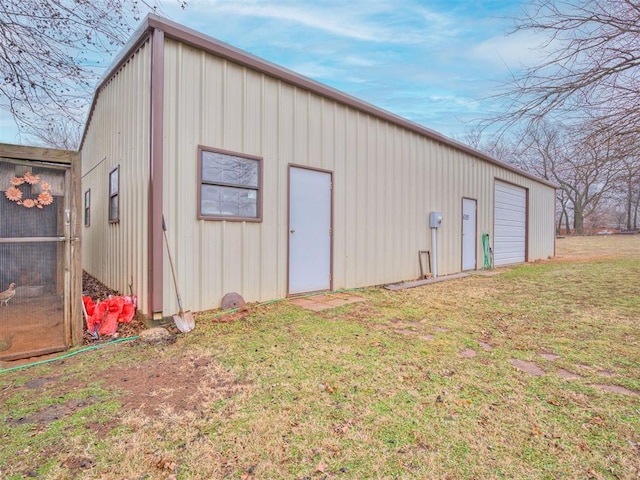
[{"x": 272, "y": 184}]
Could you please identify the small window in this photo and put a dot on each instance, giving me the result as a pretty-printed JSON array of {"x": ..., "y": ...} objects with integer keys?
[
  {"x": 114, "y": 195},
  {"x": 87, "y": 208},
  {"x": 230, "y": 186}
]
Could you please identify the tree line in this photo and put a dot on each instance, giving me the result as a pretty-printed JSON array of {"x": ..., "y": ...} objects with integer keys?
[
  {"x": 574, "y": 117},
  {"x": 598, "y": 176}
]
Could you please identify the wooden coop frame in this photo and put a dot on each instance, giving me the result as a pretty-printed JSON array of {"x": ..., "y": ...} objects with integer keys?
[{"x": 70, "y": 272}]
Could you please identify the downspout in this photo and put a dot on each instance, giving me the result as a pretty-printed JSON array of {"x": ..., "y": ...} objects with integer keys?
[{"x": 156, "y": 156}]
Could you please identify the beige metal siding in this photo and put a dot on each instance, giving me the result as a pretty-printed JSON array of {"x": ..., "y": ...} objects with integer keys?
[
  {"x": 118, "y": 134},
  {"x": 386, "y": 181}
]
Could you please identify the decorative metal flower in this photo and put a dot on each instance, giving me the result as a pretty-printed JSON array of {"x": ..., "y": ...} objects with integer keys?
[
  {"x": 45, "y": 198},
  {"x": 13, "y": 193},
  {"x": 30, "y": 178}
]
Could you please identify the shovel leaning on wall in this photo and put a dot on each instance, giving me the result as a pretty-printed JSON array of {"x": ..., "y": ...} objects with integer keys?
[{"x": 184, "y": 320}]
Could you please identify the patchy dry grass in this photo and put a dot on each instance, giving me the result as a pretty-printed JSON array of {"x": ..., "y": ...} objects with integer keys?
[{"x": 377, "y": 389}]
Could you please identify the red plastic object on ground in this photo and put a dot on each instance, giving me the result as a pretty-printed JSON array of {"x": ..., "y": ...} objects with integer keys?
[{"x": 104, "y": 317}]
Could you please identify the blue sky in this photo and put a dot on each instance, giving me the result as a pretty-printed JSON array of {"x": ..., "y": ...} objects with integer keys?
[{"x": 431, "y": 61}]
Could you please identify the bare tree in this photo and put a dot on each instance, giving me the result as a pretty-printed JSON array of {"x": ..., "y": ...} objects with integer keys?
[
  {"x": 629, "y": 188},
  {"x": 591, "y": 69},
  {"x": 51, "y": 53},
  {"x": 57, "y": 132},
  {"x": 500, "y": 147},
  {"x": 584, "y": 165}
]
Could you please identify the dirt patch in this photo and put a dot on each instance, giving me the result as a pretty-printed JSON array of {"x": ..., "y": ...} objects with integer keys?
[
  {"x": 76, "y": 464},
  {"x": 52, "y": 413},
  {"x": 467, "y": 353},
  {"x": 40, "y": 382},
  {"x": 176, "y": 384},
  {"x": 152, "y": 388}
]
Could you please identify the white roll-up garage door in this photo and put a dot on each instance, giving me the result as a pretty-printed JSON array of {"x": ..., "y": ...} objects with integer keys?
[{"x": 509, "y": 224}]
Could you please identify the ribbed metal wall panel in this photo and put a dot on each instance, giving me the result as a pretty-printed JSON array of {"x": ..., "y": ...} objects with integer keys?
[
  {"x": 118, "y": 134},
  {"x": 386, "y": 181}
]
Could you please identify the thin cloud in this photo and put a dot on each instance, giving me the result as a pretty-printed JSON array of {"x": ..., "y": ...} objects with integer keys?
[
  {"x": 379, "y": 22},
  {"x": 509, "y": 51}
]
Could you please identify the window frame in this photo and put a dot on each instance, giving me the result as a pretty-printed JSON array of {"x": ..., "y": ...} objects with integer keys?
[
  {"x": 114, "y": 218},
  {"x": 87, "y": 208},
  {"x": 258, "y": 218}
]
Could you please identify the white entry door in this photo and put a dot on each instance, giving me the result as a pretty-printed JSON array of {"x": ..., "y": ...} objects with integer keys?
[
  {"x": 309, "y": 230},
  {"x": 469, "y": 246}
]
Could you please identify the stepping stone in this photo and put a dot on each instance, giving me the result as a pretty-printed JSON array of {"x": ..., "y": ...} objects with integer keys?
[
  {"x": 527, "y": 367},
  {"x": 567, "y": 375},
  {"x": 406, "y": 331},
  {"x": 317, "y": 307},
  {"x": 325, "y": 302},
  {"x": 467, "y": 353},
  {"x": 336, "y": 302},
  {"x": 615, "y": 389},
  {"x": 355, "y": 299},
  {"x": 550, "y": 356},
  {"x": 156, "y": 335},
  {"x": 302, "y": 302},
  {"x": 485, "y": 346}
]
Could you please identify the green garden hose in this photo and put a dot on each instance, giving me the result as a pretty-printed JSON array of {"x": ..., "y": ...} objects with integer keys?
[{"x": 488, "y": 253}]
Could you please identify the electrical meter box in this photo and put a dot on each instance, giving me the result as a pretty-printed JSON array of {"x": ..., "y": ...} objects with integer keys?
[{"x": 435, "y": 219}]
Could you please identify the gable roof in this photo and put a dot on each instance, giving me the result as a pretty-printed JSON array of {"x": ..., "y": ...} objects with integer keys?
[{"x": 221, "y": 49}]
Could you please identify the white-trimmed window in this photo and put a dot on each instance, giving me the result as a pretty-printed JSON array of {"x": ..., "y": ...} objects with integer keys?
[
  {"x": 87, "y": 208},
  {"x": 230, "y": 186},
  {"x": 114, "y": 195}
]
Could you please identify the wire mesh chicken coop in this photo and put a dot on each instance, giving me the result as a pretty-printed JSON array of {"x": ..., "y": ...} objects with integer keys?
[{"x": 40, "y": 273}]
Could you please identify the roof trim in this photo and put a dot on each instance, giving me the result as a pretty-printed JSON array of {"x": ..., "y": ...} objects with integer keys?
[
  {"x": 211, "y": 45},
  {"x": 138, "y": 38}
]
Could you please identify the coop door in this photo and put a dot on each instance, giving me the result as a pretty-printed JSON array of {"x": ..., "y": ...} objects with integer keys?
[{"x": 34, "y": 263}]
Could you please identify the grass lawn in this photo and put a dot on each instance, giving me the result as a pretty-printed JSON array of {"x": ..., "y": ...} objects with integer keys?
[{"x": 532, "y": 373}]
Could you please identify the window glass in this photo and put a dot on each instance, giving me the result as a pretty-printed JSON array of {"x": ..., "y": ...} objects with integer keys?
[
  {"x": 87, "y": 208},
  {"x": 113, "y": 182},
  {"x": 230, "y": 186},
  {"x": 229, "y": 201},
  {"x": 113, "y": 208},
  {"x": 221, "y": 168},
  {"x": 114, "y": 204}
]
